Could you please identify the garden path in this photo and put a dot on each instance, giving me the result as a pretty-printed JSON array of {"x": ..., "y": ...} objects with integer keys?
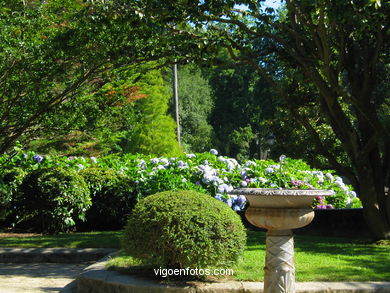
[{"x": 37, "y": 277}]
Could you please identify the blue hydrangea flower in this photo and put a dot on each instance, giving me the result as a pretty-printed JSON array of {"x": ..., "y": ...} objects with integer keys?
[
  {"x": 241, "y": 200},
  {"x": 218, "y": 196}
]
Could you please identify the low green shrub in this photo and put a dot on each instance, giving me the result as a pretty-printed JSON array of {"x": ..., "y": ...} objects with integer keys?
[
  {"x": 184, "y": 229},
  {"x": 51, "y": 199},
  {"x": 113, "y": 197}
]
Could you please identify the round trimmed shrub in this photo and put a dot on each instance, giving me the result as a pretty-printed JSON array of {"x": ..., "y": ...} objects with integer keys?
[
  {"x": 113, "y": 197},
  {"x": 184, "y": 229},
  {"x": 52, "y": 199}
]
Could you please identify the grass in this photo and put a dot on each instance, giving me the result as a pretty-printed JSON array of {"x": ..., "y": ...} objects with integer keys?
[
  {"x": 101, "y": 239},
  {"x": 316, "y": 259}
]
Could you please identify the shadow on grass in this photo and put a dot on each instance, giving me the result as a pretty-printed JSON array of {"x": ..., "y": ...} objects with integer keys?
[{"x": 103, "y": 239}]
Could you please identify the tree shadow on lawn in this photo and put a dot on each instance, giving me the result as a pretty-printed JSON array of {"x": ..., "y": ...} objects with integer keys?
[
  {"x": 110, "y": 239},
  {"x": 350, "y": 259}
]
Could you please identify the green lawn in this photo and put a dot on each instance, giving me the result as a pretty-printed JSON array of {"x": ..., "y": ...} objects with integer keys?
[
  {"x": 316, "y": 258},
  {"x": 110, "y": 239}
]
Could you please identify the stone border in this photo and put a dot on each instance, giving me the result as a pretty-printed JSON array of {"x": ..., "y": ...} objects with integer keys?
[{"x": 97, "y": 279}]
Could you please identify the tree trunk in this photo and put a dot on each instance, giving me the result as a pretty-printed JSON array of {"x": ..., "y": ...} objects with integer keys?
[{"x": 375, "y": 203}]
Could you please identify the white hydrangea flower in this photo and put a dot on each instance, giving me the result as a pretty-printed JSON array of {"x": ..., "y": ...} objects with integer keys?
[
  {"x": 352, "y": 193},
  {"x": 190, "y": 156},
  {"x": 244, "y": 184},
  {"x": 250, "y": 163},
  {"x": 213, "y": 152},
  {"x": 262, "y": 180},
  {"x": 275, "y": 166},
  {"x": 155, "y": 161},
  {"x": 320, "y": 178},
  {"x": 269, "y": 170},
  {"x": 164, "y": 161},
  {"x": 329, "y": 176},
  {"x": 222, "y": 159}
]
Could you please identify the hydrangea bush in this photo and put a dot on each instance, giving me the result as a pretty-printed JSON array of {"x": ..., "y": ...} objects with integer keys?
[{"x": 206, "y": 172}]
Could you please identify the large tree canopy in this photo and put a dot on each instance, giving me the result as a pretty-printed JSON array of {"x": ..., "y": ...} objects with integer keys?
[
  {"x": 54, "y": 51},
  {"x": 326, "y": 54}
]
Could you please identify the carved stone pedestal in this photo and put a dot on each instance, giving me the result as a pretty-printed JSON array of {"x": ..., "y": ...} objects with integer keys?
[
  {"x": 279, "y": 268},
  {"x": 279, "y": 211}
]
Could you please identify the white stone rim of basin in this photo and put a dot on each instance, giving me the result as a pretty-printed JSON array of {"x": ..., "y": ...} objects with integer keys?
[{"x": 280, "y": 198}]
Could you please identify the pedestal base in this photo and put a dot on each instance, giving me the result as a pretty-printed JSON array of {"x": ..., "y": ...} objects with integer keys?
[{"x": 279, "y": 269}]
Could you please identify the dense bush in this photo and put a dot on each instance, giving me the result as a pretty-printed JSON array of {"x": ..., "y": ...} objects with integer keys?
[
  {"x": 52, "y": 199},
  {"x": 112, "y": 197},
  {"x": 9, "y": 183},
  {"x": 184, "y": 229}
]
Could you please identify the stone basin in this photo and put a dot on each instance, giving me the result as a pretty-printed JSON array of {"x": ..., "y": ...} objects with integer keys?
[{"x": 280, "y": 198}]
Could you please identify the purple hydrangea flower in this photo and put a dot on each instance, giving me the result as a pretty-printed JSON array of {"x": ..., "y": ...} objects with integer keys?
[
  {"x": 321, "y": 207},
  {"x": 38, "y": 158}
]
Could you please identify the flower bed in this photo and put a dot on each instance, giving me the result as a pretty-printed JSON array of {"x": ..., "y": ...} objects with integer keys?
[{"x": 206, "y": 172}]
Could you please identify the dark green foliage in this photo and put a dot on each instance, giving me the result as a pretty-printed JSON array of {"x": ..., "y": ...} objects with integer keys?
[
  {"x": 196, "y": 101},
  {"x": 243, "y": 102},
  {"x": 52, "y": 199},
  {"x": 113, "y": 197},
  {"x": 10, "y": 179},
  {"x": 184, "y": 229}
]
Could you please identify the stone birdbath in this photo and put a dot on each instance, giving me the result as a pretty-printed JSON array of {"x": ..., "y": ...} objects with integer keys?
[{"x": 279, "y": 211}]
